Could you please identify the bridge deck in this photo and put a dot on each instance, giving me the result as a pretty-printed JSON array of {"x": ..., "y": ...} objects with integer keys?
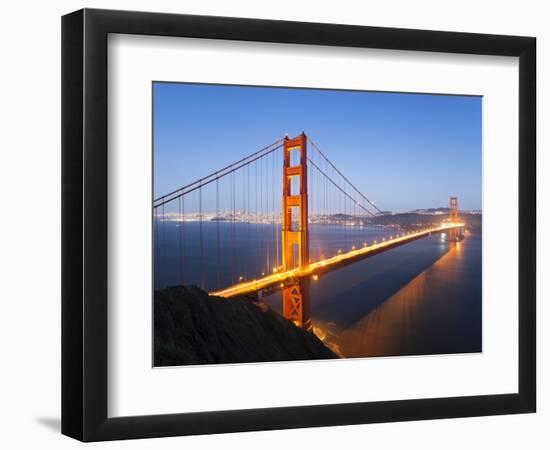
[{"x": 328, "y": 264}]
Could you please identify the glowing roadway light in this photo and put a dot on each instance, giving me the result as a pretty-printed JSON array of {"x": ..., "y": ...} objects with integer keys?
[
  {"x": 315, "y": 277},
  {"x": 279, "y": 276}
]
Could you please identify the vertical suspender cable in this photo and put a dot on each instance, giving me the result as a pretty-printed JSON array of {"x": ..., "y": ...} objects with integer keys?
[
  {"x": 156, "y": 247},
  {"x": 268, "y": 242},
  {"x": 276, "y": 193},
  {"x": 164, "y": 262},
  {"x": 257, "y": 262},
  {"x": 201, "y": 267},
  {"x": 233, "y": 247},
  {"x": 248, "y": 207},
  {"x": 260, "y": 188},
  {"x": 179, "y": 226},
  {"x": 273, "y": 208},
  {"x": 218, "y": 234},
  {"x": 183, "y": 239}
]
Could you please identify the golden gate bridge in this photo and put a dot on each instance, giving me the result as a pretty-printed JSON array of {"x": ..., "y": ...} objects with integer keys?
[{"x": 232, "y": 235}]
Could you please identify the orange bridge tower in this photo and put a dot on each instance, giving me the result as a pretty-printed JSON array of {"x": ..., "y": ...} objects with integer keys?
[{"x": 295, "y": 236}]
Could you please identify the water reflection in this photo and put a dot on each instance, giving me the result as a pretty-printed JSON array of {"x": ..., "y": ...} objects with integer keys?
[
  {"x": 439, "y": 311},
  {"x": 421, "y": 298}
]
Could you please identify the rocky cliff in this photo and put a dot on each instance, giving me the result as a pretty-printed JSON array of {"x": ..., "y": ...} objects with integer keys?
[{"x": 193, "y": 328}]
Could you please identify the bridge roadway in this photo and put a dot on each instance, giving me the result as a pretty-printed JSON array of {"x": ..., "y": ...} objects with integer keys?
[{"x": 278, "y": 279}]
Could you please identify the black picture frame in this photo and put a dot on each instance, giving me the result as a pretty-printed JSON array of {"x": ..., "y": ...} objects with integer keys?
[{"x": 84, "y": 224}]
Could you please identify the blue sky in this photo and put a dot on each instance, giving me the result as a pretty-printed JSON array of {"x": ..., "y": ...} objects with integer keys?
[{"x": 404, "y": 151}]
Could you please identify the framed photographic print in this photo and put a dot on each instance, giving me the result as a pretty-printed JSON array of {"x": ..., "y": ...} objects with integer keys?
[{"x": 273, "y": 224}]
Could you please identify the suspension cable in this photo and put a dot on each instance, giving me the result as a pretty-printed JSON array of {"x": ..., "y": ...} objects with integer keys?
[
  {"x": 339, "y": 188},
  {"x": 349, "y": 182},
  {"x": 216, "y": 175}
]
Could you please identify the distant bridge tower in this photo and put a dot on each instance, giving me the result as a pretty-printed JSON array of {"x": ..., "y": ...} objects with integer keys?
[
  {"x": 453, "y": 218},
  {"x": 295, "y": 235}
]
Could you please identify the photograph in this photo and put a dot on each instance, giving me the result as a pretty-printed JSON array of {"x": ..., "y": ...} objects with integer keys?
[{"x": 295, "y": 224}]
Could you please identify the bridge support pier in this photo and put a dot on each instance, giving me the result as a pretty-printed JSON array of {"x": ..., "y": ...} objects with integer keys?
[{"x": 296, "y": 302}]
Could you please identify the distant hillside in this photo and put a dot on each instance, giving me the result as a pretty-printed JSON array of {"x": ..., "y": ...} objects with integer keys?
[
  {"x": 436, "y": 211},
  {"x": 442, "y": 210},
  {"x": 193, "y": 328},
  {"x": 414, "y": 219}
]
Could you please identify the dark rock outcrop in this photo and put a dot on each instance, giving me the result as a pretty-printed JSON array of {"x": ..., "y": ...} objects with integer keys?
[{"x": 193, "y": 328}]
